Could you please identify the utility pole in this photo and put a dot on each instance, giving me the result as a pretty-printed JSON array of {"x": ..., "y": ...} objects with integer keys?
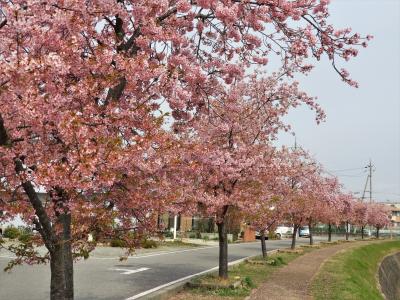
[
  {"x": 365, "y": 188},
  {"x": 369, "y": 178},
  {"x": 370, "y": 181}
]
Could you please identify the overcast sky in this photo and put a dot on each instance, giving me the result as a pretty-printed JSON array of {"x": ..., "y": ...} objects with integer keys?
[{"x": 361, "y": 123}]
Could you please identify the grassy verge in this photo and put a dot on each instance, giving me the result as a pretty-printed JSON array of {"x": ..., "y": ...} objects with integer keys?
[
  {"x": 352, "y": 274},
  {"x": 177, "y": 243},
  {"x": 251, "y": 275}
]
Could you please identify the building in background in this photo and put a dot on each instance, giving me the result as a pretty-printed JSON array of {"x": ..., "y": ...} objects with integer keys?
[
  {"x": 200, "y": 227},
  {"x": 395, "y": 212}
]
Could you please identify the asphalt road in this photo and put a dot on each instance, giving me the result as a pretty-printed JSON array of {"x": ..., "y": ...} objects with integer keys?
[{"x": 108, "y": 278}]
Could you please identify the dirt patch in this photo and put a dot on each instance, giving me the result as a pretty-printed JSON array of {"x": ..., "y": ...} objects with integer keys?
[{"x": 293, "y": 281}]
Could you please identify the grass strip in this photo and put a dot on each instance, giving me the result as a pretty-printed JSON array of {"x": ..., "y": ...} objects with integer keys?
[{"x": 352, "y": 274}]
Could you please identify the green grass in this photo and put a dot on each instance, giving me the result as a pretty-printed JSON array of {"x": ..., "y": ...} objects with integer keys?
[
  {"x": 176, "y": 243},
  {"x": 252, "y": 275},
  {"x": 352, "y": 274}
]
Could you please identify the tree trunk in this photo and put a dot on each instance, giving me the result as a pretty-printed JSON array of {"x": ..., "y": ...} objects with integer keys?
[
  {"x": 329, "y": 232},
  {"x": 43, "y": 224},
  {"x": 57, "y": 282},
  {"x": 362, "y": 232},
  {"x": 311, "y": 236},
  {"x": 377, "y": 232},
  {"x": 347, "y": 231},
  {"x": 223, "y": 249},
  {"x": 294, "y": 236},
  {"x": 263, "y": 246},
  {"x": 68, "y": 260}
]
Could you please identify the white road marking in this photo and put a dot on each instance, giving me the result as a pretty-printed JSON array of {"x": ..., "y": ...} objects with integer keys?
[
  {"x": 137, "y": 296},
  {"x": 129, "y": 271}
]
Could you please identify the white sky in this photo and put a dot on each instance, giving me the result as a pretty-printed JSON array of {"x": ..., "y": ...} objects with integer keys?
[{"x": 361, "y": 123}]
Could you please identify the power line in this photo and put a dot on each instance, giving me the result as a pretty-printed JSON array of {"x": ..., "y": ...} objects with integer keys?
[
  {"x": 355, "y": 175},
  {"x": 345, "y": 175},
  {"x": 342, "y": 170},
  {"x": 385, "y": 193}
]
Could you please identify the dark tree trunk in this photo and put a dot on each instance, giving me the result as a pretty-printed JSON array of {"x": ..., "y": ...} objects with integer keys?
[
  {"x": 311, "y": 236},
  {"x": 61, "y": 263},
  {"x": 263, "y": 246},
  {"x": 294, "y": 236},
  {"x": 68, "y": 260},
  {"x": 329, "y": 232},
  {"x": 377, "y": 232},
  {"x": 223, "y": 249},
  {"x": 57, "y": 282},
  {"x": 362, "y": 232},
  {"x": 60, "y": 252},
  {"x": 347, "y": 231}
]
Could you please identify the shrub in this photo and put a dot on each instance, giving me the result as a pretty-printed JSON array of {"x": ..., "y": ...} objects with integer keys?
[
  {"x": 248, "y": 282},
  {"x": 148, "y": 244},
  {"x": 280, "y": 261},
  {"x": 235, "y": 236},
  {"x": 195, "y": 235},
  {"x": 117, "y": 243},
  {"x": 277, "y": 261},
  {"x": 11, "y": 232},
  {"x": 168, "y": 234},
  {"x": 272, "y": 236},
  {"x": 25, "y": 237}
]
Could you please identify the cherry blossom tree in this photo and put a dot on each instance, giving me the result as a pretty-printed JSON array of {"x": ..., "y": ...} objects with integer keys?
[
  {"x": 233, "y": 144},
  {"x": 331, "y": 212},
  {"x": 264, "y": 218},
  {"x": 82, "y": 84},
  {"x": 323, "y": 195},
  {"x": 298, "y": 183},
  {"x": 347, "y": 211},
  {"x": 263, "y": 211},
  {"x": 361, "y": 215},
  {"x": 379, "y": 216}
]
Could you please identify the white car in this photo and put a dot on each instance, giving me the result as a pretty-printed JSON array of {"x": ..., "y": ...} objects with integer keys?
[{"x": 280, "y": 231}]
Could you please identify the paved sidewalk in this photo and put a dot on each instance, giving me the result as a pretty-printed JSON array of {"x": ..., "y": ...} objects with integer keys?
[{"x": 293, "y": 281}]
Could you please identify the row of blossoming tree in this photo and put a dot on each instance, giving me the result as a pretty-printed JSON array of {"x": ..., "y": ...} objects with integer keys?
[
  {"x": 120, "y": 110},
  {"x": 307, "y": 198}
]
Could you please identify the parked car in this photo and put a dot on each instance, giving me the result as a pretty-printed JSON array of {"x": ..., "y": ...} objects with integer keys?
[
  {"x": 280, "y": 231},
  {"x": 304, "y": 231}
]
